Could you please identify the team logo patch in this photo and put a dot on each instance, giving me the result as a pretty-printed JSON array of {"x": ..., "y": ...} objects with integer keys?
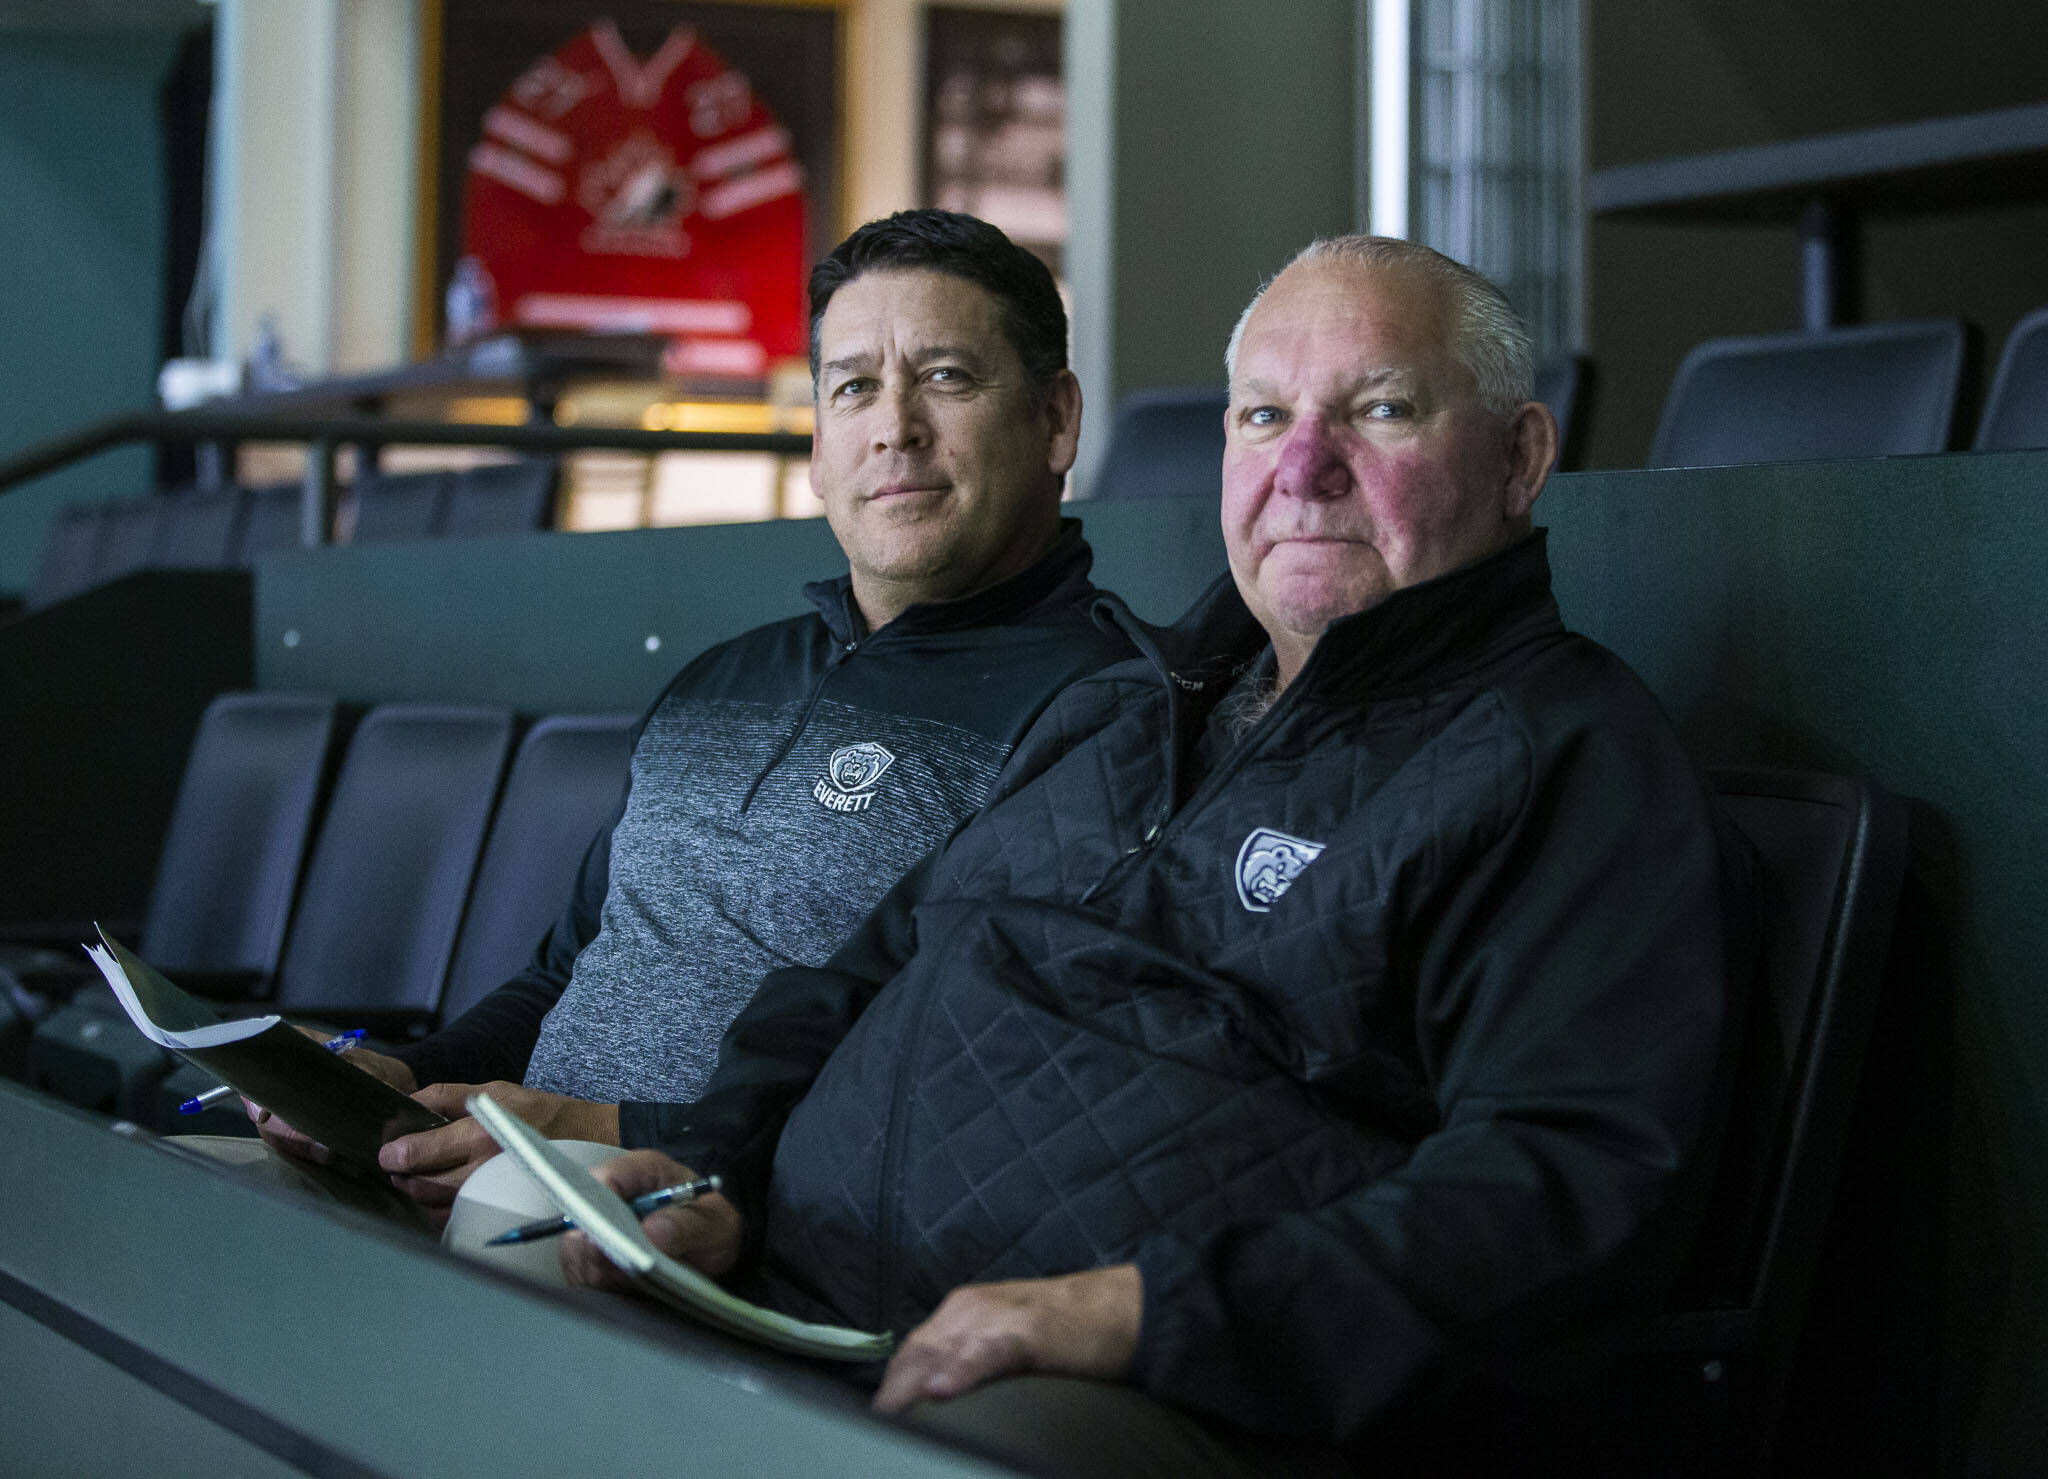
[
  {"x": 848, "y": 783},
  {"x": 1268, "y": 864}
]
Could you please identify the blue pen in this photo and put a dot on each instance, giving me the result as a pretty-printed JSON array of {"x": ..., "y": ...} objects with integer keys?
[{"x": 350, "y": 1039}]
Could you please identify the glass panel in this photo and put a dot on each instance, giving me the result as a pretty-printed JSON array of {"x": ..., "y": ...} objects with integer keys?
[{"x": 1498, "y": 156}]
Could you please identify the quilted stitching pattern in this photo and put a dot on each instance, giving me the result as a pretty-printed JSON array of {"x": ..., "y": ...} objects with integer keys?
[{"x": 1068, "y": 1078}]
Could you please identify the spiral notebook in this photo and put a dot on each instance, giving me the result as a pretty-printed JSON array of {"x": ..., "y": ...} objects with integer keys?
[{"x": 603, "y": 1216}]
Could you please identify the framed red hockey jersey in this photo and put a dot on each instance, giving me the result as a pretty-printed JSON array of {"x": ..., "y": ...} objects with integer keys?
[{"x": 643, "y": 184}]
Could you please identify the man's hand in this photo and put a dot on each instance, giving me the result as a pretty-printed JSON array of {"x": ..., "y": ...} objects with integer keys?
[
  {"x": 431, "y": 1165},
  {"x": 281, "y": 1137},
  {"x": 1077, "y": 1325},
  {"x": 704, "y": 1234}
]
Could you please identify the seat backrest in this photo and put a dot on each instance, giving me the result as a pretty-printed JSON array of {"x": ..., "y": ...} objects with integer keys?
[
  {"x": 502, "y": 498},
  {"x": 377, "y": 916},
  {"x": 1831, "y": 854},
  {"x": 403, "y": 505},
  {"x": 1165, "y": 444},
  {"x": 271, "y": 522},
  {"x": 1882, "y": 390},
  {"x": 2016, "y": 414},
  {"x": 238, "y": 833},
  {"x": 70, "y": 551},
  {"x": 565, "y": 785},
  {"x": 1565, "y": 384},
  {"x": 199, "y": 531},
  {"x": 127, "y": 533}
]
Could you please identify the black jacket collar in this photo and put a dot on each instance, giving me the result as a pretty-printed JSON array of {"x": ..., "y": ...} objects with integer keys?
[
  {"x": 1423, "y": 635},
  {"x": 1060, "y": 574}
]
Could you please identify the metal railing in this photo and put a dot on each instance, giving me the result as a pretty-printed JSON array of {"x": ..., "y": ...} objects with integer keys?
[{"x": 323, "y": 435}]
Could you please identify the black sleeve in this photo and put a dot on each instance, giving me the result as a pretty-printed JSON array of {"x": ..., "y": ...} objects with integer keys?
[
  {"x": 776, "y": 1047},
  {"x": 494, "y": 1039},
  {"x": 1578, "y": 997}
]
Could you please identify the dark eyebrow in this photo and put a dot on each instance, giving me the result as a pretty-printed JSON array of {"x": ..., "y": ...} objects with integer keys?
[
  {"x": 964, "y": 352},
  {"x": 865, "y": 360}
]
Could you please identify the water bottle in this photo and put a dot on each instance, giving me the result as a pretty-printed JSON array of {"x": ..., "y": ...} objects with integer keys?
[{"x": 472, "y": 303}]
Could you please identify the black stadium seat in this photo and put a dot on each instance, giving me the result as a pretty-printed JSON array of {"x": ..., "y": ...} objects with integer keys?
[
  {"x": 377, "y": 917},
  {"x": 2016, "y": 415},
  {"x": 223, "y": 891},
  {"x": 503, "y": 498},
  {"x": 565, "y": 785},
  {"x": 200, "y": 531},
  {"x": 1703, "y": 1392},
  {"x": 1883, "y": 390},
  {"x": 127, "y": 533},
  {"x": 70, "y": 547},
  {"x": 1165, "y": 444},
  {"x": 1565, "y": 384},
  {"x": 394, "y": 506},
  {"x": 238, "y": 836},
  {"x": 270, "y": 523}
]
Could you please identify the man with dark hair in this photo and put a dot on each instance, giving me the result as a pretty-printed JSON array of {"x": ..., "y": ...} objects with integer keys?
[
  {"x": 786, "y": 778},
  {"x": 1033, "y": 318},
  {"x": 1328, "y": 1017}
]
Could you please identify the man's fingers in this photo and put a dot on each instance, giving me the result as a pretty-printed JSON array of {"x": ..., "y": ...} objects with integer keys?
[
  {"x": 450, "y": 1101},
  {"x": 704, "y": 1234},
  {"x": 282, "y": 1138},
  {"x": 585, "y": 1267},
  {"x": 903, "y": 1381},
  {"x": 911, "y": 1372},
  {"x": 640, "y": 1171},
  {"x": 429, "y": 1191},
  {"x": 463, "y": 1146},
  {"x": 969, "y": 1339},
  {"x": 1085, "y": 1324}
]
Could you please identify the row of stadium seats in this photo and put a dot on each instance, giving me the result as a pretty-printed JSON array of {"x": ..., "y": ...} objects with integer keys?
[
  {"x": 1880, "y": 390},
  {"x": 89, "y": 544},
  {"x": 390, "y": 890},
  {"x": 1873, "y": 391}
]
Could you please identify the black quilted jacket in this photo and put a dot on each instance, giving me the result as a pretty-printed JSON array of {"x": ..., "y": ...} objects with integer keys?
[{"x": 1389, "y": 1049}]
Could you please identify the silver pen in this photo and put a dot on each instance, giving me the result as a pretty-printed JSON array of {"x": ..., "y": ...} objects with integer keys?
[{"x": 683, "y": 1192}]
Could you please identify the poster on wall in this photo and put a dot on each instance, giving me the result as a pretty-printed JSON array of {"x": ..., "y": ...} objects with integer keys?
[{"x": 645, "y": 168}]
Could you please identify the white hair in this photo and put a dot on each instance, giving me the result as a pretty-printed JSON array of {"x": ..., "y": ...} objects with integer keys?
[{"x": 1490, "y": 338}]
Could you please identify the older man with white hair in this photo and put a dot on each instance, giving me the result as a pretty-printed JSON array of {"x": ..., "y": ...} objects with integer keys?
[{"x": 1328, "y": 1018}]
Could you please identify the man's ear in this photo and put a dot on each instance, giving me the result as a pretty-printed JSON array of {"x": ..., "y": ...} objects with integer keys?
[
  {"x": 1532, "y": 452},
  {"x": 1063, "y": 422}
]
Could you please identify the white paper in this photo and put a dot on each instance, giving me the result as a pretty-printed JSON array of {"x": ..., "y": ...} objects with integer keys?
[{"x": 199, "y": 1037}]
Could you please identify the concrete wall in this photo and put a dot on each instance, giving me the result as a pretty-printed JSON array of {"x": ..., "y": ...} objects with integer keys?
[
  {"x": 1206, "y": 142},
  {"x": 82, "y": 254},
  {"x": 1675, "y": 77},
  {"x": 313, "y": 178}
]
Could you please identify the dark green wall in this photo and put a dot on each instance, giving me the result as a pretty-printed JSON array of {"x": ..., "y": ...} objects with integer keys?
[
  {"x": 100, "y": 696},
  {"x": 550, "y": 623},
  {"x": 1676, "y": 77},
  {"x": 1884, "y": 618},
  {"x": 82, "y": 221}
]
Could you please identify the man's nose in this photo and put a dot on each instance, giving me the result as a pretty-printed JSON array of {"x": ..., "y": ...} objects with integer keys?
[
  {"x": 1311, "y": 463},
  {"x": 900, "y": 424}
]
